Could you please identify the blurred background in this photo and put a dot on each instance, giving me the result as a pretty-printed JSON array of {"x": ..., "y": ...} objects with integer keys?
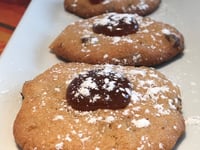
[{"x": 11, "y": 12}]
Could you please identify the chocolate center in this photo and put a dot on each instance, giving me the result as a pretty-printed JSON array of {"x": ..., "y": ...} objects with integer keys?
[
  {"x": 99, "y": 89},
  {"x": 96, "y": 1},
  {"x": 116, "y": 25}
]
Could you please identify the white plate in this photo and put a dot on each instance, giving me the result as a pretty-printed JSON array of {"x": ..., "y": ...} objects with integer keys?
[{"x": 27, "y": 55}]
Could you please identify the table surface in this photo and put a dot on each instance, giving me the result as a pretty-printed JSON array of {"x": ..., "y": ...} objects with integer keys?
[{"x": 10, "y": 15}]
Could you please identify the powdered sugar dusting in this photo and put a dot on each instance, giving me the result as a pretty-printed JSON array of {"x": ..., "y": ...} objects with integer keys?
[
  {"x": 141, "y": 123},
  {"x": 110, "y": 119},
  {"x": 84, "y": 87},
  {"x": 141, "y": 5},
  {"x": 152, "y": 96},
  {"x": 92, "y": 42},
  {"x": 113, "y": 19},
  {"x": 58, "y": 117},
  {"x": 59, "y": 146}
]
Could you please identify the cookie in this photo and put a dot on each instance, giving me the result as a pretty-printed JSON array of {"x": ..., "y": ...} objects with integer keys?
[
  {"x": 125, "y": 39},
  {"x": 99, "y": 107},
  {"x": 90, "y": 8}
]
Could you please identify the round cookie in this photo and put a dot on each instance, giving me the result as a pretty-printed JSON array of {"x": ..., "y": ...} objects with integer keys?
[
  {"x": 90, "y": 8},
  {"x": 104, "y": 39},
  {"x": 151, "y": 120}
]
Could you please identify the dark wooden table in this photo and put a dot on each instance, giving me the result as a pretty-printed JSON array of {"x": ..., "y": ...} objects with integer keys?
[{"x": 11, "y": 12}]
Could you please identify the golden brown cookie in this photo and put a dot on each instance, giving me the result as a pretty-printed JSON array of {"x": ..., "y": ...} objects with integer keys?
[
  {"x": 125, "y": 39},
  {"x": 90, "y": 8},
  {"x": 150, "y": 117}
]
